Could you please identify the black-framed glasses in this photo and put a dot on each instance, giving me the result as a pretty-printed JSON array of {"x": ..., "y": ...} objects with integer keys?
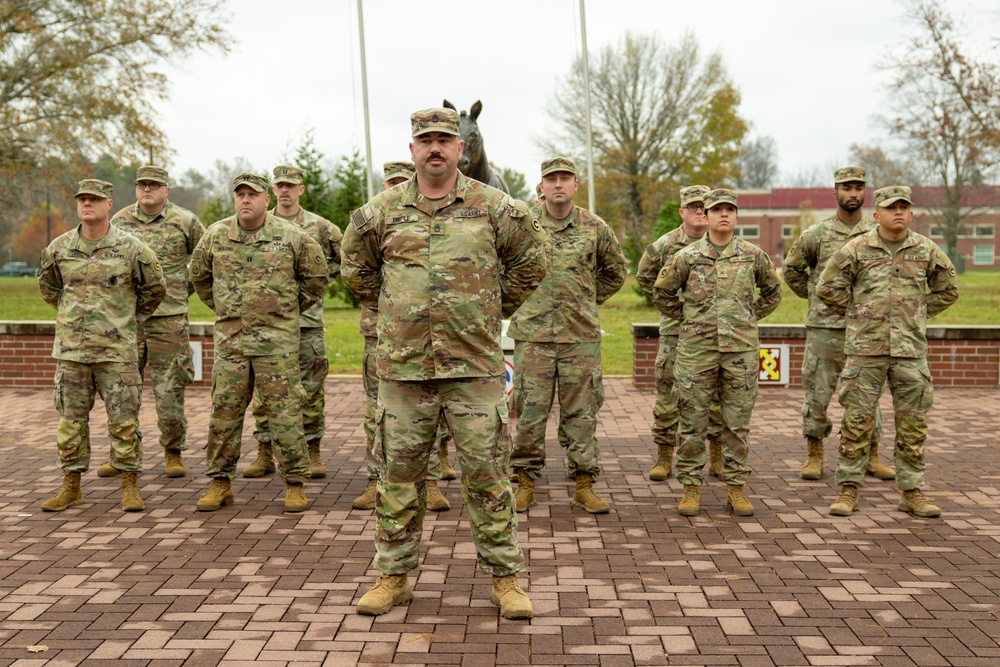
[
  {"x": 695, "y": 208},
  {"x": 152, "y": 187}
]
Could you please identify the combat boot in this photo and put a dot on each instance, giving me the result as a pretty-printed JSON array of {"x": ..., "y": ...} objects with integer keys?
[
  {"x": 690, "y": 504},
  {"x": 131, "y": 502},
  {"x": 108, "y": 470},
  {"x": 295, "y": 498},
  {"x": 525, "y": 495},
  {"x": 436, "y": 502},
  {"x": 507, "y": 595},
  {"x": 664, "y": 463},
  {"x": 68, "y": 494},
  {"x": 218, "y": 495},
  {"x": 173, "y": 464},
  {"x": 388, "y": 591},
  {"x": 847, "y": 503},
  {"x": 813, "y": 469},
  {"x": 716, "y": 463},
  {"x": 737, "y": 502},
  {"x": 913, "y": 502},
  {"x": 584, "y": 496},
  {"x": 447, "y": 471},
  {"x": 263, "y": 464},
  {"x": 317, "y": 468},
  {"x": 875, "y": 466},
  {"x": 366, "y": 501}
]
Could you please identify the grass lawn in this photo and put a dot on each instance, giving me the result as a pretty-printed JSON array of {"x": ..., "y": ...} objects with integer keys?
[{"x": 978, "y": 303}]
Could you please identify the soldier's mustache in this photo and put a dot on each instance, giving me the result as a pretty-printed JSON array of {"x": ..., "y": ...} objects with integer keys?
[{"x": 435, "y": 156}]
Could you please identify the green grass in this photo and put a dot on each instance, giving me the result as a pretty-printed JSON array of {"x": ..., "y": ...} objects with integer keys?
[{"x": 978, "y": 303}]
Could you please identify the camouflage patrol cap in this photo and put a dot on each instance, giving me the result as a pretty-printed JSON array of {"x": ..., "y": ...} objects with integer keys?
[
  {"x": 286, "y": 173},
  {"x": 252, "y": 180},
  {"x": 153, "y": 174},
  {"x": 693, "y": 193},
  {"x": 849, "y": 175},
  {"x": 716, "y": 197},
  {"x": 435, "y": 120},
  {"x": 96, "y": 187},
  {"x": 391, "y": 170},
  {"x": 555, "y": 164},
  {"x": 891, "y": 194}
]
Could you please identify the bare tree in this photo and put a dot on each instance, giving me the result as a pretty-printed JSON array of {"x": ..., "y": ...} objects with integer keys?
[
  {"x": 883, "y": 170},
  {"x": 758, "y": 163}
]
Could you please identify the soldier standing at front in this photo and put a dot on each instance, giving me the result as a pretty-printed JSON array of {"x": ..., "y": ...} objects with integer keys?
[
  {"x": 257, "y": 273},
  {"x": 558, "y": 339},
  {"x": 100, "y": 280},
  {"x": 824, "y": 355},
  {"x": 172, "y": 232},
  {"x": 694, "y": 224},
  {"x": 442, "y": 258},
  {"x": 887, "y": 283},
  {"x": 710, "y": 287},
  {"x": 313, "y": 362}
]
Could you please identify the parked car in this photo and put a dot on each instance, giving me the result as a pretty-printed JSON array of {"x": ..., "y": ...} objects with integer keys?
[{"x": 17, "y": 269}]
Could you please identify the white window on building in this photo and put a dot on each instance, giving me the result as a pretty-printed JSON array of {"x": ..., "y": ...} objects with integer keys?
[
  {"x": 937, "y": 231},
  {"x": 982, "y": 232},
  {"x": 982, "y": 254},
  {"x": 787, "y": 231},
  {"x": 747, "y": 231}
]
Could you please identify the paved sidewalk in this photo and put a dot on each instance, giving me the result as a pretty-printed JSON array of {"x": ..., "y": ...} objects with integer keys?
[{"x": 638, "y": 586}]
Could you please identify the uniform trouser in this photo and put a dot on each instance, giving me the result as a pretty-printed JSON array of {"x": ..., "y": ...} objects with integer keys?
[
  {"x": 821, "y": 368},
  {"x": 406, "y": 424},
  {"x": 700, "y": 376},
  {"x": 912, "y": 396},
  {"x": 370, "y": 380},
  {"x": 164, "y": 345},
  {"x": 120, "y": 387},
  {"x": 574, "y": 369},
  {"x": 666, "y": 417},
  {"x": 276, "y": 378},
  {"x": 314, "y": 366}
]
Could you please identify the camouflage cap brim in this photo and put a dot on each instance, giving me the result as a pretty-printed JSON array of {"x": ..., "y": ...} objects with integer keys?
[
  {"x": 694, "y": 193},
  {"x": 152, "y": 174},
  {"x": 95, "y": 187}
]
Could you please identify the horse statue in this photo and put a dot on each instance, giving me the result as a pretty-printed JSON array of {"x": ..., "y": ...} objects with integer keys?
[{"x": 474, "y": 163}]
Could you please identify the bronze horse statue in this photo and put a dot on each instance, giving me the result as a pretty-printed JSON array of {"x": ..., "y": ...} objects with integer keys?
[{"x": 474, "y": 163}]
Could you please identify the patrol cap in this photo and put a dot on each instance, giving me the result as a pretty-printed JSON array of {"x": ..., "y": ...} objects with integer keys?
[
  {"x": 849, "y": 175},
  {"x": 153, "y": 174},
  {"x": 96, "y": 187},
  {"x": 555, "y": 164},
  {"x": 391, "y": 170},
  {"x": 693, "y": 193},
  {"x": 891, "y": 194},
  {"x": 437, "y": 119},
  {"x": 286, "y": 173},
  {"x": 716, "y": 197},
  {"x": 254, "y": 181}
]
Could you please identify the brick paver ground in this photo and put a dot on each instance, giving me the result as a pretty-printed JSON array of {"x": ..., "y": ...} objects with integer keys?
[{"x": 638, "y": 586}]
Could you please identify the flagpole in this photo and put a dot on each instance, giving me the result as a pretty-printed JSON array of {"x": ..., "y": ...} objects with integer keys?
[
  {"x": 591, "y": 185},
  {"x": 364, "y": 97}
]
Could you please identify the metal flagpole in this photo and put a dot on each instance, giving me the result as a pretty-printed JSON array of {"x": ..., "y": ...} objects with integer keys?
[
  {"x": 591, "y": 185},
  {"x": 364, "y": 97}
]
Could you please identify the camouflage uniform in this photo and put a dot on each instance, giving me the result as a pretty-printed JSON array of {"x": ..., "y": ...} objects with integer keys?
[
  {"x": 886, "y": 340},
  {"x": 558, "y": 341},
  {"x": 99, "y": 290},
  {"x": 713, "y": 297},
  {"x": 163, "y": 339},
  {"x": 441, "y": 275},
  {"x": 257, "y": 283}
]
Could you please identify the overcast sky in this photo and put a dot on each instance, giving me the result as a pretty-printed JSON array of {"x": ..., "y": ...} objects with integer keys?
[{"x": 804, "y": 70}]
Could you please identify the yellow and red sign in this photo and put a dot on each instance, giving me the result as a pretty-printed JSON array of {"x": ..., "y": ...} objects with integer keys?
[{"x": 773, "y": 367}]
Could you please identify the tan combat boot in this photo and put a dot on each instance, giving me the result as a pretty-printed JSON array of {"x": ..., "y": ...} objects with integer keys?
[
  {"x": 263, "y": 464},
  {"x": 388, "y": 591},
  {"x": 366, "y": 501},
  {"x": 690, "y": 504},
  {"x": 108, "y": 470},
  {"x": 131, "y": 502},
  {"x": 436, "y": 502},
  {"x": 447, "y": 471},
  {"x": 218, "y": 495},
  {"x": 875, "y": 466},
  {"x": 173, "y": 464},
  {"x": 507, "y": 595},
  {"x": 584, "y": 496},
  {"x": 847, "y": 503},
  {"x": 664, "y": 463},
  {"x": 295, "y": 498},
  {"x": 737, "y": 502},
  {"x": 913, "y": 502},
  {"x": 813, "y": 469},
  {"x": 68, "y": 494},
  {"x": 716, "y": 463},
  {"x": 525, "y": 495},
  {"x": 317, "y": 468}
]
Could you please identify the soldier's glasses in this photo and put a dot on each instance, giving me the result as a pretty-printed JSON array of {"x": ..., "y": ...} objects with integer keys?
[
  {"x": 694, "y": 208},
  {"x": 148, "y": 186}
]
